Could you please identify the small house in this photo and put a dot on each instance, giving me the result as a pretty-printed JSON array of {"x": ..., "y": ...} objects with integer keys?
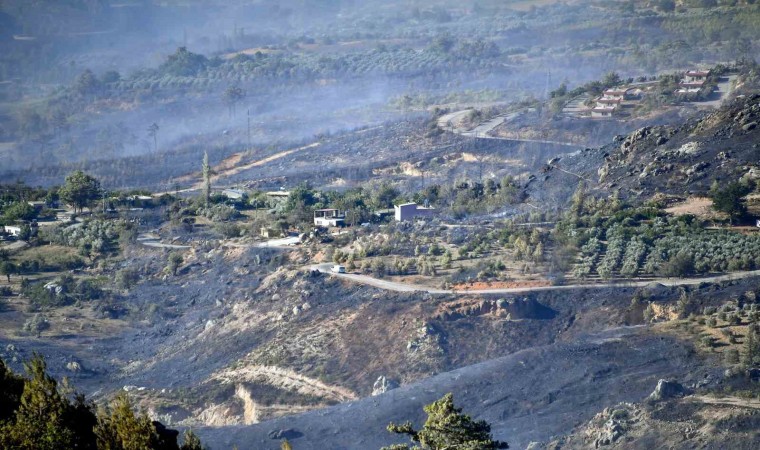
[
  {"x": 614, "y": 94},
  {"x": 233, "y": 194},
  {"x": 609, "y": 101},
  {"x": 695, "y": 76},
  {"x": 12, "y": 230},
  {"x": 603, "y": 112},
  {"x": 409, "y": 211},
  {"x": 329, "y": 218}
]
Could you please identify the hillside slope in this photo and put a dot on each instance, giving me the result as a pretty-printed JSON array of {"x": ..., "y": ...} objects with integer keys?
[{"x": 723, "y": 145}]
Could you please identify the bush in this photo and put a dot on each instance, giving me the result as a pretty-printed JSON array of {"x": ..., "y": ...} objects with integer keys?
[
  {"x": 229, "y": 230},
  {"x": 36, "y": 324},
  {"x": 681, "y": 265},
  {"x": 126, "y": 278}
]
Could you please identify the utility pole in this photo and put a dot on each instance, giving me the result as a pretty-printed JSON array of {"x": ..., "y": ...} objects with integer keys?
[{"x": 248, "y": 112}]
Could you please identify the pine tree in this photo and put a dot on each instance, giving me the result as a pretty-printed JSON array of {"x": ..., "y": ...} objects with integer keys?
[
  {"x": 40, "y": 418},
  {"x": 191, "y": 442},
  {"x": 447, "y": 428},
  {"x": 751, "y": 346},
  {"x": 206, "y": 170}
]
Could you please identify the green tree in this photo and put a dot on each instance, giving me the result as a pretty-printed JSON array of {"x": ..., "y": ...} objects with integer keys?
[
  {"x": 120, "y": 429},
  {"x": 7, "y": 268},
  {"x": 751, "y": 345},
  {"x": 19, "y": 211},
  {"x": 730, "y": 200},
  {"x": 232, "y": 96},
  {"x": 183, "y": 63},
  {"x": 175, "y": 260},
  {"x": 191, "y": 442},
  {"x": 153, "y": 132},
  {"x": 447, "y": 428},
  {"x": 40, "y": 420},
  {"x": 80, "y": 190},
  {"x": 206, "y": 171}
]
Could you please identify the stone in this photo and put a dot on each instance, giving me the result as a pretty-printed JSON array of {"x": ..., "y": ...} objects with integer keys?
[
  {"x": 749, "y": 126},
  {"x": 74, "y": 366},
  {"x": 383, "y": 385},
  {"x": 288, "y": 433},
  {"x": 667, "y": 389}
]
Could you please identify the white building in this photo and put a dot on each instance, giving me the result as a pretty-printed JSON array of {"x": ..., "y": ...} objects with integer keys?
[
  {"x": 408, "y": 211},
  {"x": 12, "y": 230},
  {"x": 329, "y": 218},
  {"x": 614, "y": 94},
  {"x": 603, "y": 111},
  {"x": 233, "y": 194},
  {"x": 695, "y": 76}
]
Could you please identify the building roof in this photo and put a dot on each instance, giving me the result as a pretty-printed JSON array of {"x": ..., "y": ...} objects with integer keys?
[
  {"x": 405, "y": 204},
  {"x": 698, "y": 73},
  {"x": 326, "y": 210},
  {"x": 615, "y": 92}
]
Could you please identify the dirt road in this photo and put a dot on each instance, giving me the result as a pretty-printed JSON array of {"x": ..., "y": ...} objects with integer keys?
[{"x": 408, "y": 287}]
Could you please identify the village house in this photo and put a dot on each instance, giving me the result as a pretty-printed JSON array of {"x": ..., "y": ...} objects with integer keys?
[
  {"x": 233, "y": 194},
  {"x": 609, "y": 101},
  {"x": 614, "y": 94},
  {"x": 409, "y": 211},
  {"x": 602, "y": 111},
  {"x": 12, "y": 230},
  {"x": 329, "y": 218},
  {"x": 697, "y": 76}
]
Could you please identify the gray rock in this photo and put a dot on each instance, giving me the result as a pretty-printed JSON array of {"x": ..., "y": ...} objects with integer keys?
[
  {"x": 383, "y": 385},
  {"x": 749, "y": 126},
  {"x": 288, "y": 433},
  {"x": 667, "y": 389}
]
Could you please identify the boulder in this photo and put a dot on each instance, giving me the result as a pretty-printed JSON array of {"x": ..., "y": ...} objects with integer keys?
[
  {"x": 288, "y": 433},
  {"x": 667, "y": 389},
  {"x": 383, "y": 385}
]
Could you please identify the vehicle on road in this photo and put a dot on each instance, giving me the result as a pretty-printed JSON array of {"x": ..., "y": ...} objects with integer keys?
[{"x": 338, "y": 269}]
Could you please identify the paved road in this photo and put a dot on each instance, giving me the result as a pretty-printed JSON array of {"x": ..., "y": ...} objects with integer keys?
[{"x": 409, "y": 287}]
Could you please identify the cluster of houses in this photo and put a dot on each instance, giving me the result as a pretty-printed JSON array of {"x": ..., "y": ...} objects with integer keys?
[
  {"x": 693, "y": 82},
  {"x": 610, "y": 101},
  {"x": 405, "y": 212}
]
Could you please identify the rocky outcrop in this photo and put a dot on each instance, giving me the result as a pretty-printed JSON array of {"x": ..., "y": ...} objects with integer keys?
[
  {"x": 666, "y": 390},
  {"x": 512, "y": 309},
  {"x": 383, "y": 385}
]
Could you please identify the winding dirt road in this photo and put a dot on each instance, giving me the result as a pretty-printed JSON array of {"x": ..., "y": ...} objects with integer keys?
[{"x": 408, "y": 287}]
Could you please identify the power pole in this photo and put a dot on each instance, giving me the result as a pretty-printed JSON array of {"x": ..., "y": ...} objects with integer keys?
[{"x": 248, "y": 112}]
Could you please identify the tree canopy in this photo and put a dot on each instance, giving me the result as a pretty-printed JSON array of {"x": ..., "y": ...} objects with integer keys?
[
  {"x": 447, "y": 428},
  {"x": 80, "y": 190},
  {"x": 36, "y": 413},
  {"x": 730, "y": 200}
]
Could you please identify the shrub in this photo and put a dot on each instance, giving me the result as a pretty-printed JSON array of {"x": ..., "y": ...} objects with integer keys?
[
  {"x": 36, "y": 324},
  {"x": 126, "y": 278}
]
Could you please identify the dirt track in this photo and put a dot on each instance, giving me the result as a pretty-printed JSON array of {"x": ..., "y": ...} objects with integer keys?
[
  {"x": 406, "y": 287},
  {"x": 528, "y": 396}
]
